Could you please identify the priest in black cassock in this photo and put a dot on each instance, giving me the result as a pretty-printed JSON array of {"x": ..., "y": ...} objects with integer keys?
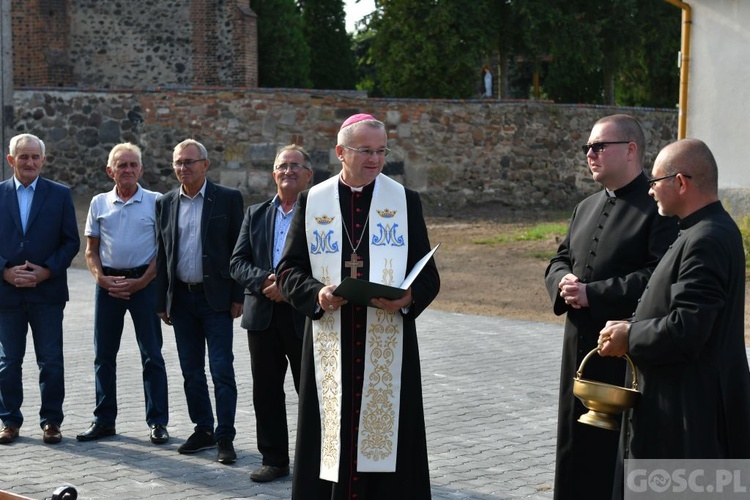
[
  {"x": 614, "y": 241},
  {"x": 361, "y": 431},
  {"x": 687, "y": 335}
]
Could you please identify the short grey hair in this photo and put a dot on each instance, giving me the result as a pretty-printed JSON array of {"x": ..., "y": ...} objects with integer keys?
[
  {"x": 192, "y": 142},
  {"x": 297, "y": 148},
  {"x": 346, "y": 133},
  {"x": 125, "y": 146},
  {"x": 22, "y": 138}
]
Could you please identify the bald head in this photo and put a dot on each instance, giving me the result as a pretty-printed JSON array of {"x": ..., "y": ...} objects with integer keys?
[{"x": 691, "y": 157}]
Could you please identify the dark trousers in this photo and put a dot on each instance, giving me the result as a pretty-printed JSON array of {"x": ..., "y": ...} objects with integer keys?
[
  {"x": 46, "y": 321},
  {"x": 197, "y": 326},
  {"x": 109, "y": 319},
  {"x": 269, "y": 351}
]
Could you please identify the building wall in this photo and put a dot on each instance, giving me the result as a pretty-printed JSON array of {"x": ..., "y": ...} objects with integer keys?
[
  {"x": 718, "y": 93},
  {"x": 134, "y": 45},
  {"x": 517, "y": 155}
]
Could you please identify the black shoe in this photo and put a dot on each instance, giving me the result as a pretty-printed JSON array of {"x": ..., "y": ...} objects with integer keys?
[
  {"x": 96, "y": 431},
  {"x": 268, "y": 473},
  {"x": 199, "y": 440},
  {"x": 159, "y": 434},
  {"x": 226, "y": 454}
]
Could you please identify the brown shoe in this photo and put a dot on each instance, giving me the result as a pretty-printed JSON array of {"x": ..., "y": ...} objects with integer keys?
[
  {"x": 8, "y": 434},
  {"x": 52, "y": 434}
]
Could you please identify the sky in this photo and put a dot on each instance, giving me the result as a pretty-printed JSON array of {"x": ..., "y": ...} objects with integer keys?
[{"x": 356, "y": 11}]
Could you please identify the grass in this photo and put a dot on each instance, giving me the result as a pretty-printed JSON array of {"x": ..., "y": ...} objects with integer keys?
[
  {"x": 557, "y": 230},
  {"x": 541, "y": 231},
  {"x": 743, "y": 222}
]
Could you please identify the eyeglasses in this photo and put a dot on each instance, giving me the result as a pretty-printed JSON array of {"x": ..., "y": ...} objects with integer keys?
[
  {"x": 598, "y": 147},
  {"x": 651, "y": 182},
  {"x": 294, "y": 167},
  {"x": 369, "y": 152},
  {"x": 186, "y": 163}
]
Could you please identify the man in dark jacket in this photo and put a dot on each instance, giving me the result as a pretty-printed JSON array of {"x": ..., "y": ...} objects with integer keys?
[
  {"x": 197, "y": 227},
  {"x": 687, "y": 335},
  {"x": 615, "y": 239},
  {"x": 274, "y": 328},
  {"x": 38, "y": 243}
]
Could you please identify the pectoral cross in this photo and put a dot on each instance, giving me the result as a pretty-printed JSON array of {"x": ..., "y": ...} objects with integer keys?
[{"x": 354, "y": 264}]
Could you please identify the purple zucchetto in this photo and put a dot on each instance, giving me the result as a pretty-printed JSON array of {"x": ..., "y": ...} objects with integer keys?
[{"x": 355, "y": 119}]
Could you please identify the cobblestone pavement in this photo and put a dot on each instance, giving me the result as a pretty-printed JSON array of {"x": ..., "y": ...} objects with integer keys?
[{"x": 490, "y": 391}]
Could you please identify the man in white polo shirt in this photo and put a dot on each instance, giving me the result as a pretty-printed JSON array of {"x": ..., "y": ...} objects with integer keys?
[{"x": 121, "y": 254}]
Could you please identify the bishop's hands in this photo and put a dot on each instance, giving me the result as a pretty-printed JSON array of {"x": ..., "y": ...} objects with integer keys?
[
  {"x": 613, "y": 338},
  {"x": 328, "y": 301},
  {"x": 573, "y": 292},
  {"x": 393, "y": 306}
]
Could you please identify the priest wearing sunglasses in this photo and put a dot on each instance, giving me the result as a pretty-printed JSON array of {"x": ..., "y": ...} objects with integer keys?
[{"x": 615, "y": 239}]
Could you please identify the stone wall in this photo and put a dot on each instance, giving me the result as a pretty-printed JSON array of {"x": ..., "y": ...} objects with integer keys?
[{"x": 515, "y": 155}]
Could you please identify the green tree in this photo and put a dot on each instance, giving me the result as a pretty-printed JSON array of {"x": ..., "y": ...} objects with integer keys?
[
  {"x": 283, "y": 53},
  {"x": 331, "y": 57},
  {"x": 652, "y": 78},
  {"x": 428, "y": 49},
  {"x": 603, "y": 52}
]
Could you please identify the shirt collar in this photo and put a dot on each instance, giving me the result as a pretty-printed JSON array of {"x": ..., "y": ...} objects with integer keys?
[
  {"x": 115, "y": 198},
  {"x": 18, "y": 183},
  {"x": 202, "y": 191}
]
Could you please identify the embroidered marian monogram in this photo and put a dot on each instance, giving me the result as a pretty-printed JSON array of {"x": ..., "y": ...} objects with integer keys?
[
  {"x": 377, "y": 442},
  {"x": 388, "y": 236},
  {"x": 323, "y": 243}
]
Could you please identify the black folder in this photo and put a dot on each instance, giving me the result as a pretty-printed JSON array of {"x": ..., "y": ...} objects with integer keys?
[{"x": 361, "y": 292}]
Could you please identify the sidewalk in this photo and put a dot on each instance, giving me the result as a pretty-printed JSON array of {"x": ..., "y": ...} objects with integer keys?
[{"x": 490, "y": 396}]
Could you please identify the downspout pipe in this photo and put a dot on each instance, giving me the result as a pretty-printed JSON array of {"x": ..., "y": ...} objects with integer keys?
[{"x": 687, "y": 21}]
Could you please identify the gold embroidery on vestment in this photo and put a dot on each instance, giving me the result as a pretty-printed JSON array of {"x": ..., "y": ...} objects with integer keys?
[
  {"x": 327, "y": 346},
  {"x": 378, "y": 418},
  {"x": 387, "y": 278}
]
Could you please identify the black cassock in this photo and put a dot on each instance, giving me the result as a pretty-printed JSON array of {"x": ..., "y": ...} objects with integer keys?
[
  {"x": 411, "y": 479},
  {"x": 613, "y": 244},
  {"x": 687, "y": 342}
]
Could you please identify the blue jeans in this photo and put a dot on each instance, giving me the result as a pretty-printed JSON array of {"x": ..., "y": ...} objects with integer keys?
[
  {"x": 109, "y": 319},
  {"x": 46, "y": 328},
  {"x": 197, "y": 325}
]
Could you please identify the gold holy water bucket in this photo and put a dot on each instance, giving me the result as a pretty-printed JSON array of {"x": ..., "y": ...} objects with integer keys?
[{"x": 604, "y": 401}]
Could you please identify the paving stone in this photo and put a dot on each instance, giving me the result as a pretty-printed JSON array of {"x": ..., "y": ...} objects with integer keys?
[{"x": 490, "y": 397}]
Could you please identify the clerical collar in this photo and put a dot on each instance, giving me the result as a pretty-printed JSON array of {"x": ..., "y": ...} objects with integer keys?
[
  {"x": 700, "y": 214},
  {"x": 354, "y": 190},
  {"x": 640, "y": 183},
  {"x": 610, "y": 194}
]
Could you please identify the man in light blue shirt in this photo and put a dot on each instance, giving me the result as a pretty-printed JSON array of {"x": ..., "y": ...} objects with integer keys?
[
  {"x": 39, "y": 240},
  {"x": 121, "y": 254},
  {"x": 197, "y": 227}
]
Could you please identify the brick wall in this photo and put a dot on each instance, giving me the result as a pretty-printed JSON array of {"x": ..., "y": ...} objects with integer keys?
[
  {"x": 509, "y": 155},
  {"x": 140, "y": 44}
]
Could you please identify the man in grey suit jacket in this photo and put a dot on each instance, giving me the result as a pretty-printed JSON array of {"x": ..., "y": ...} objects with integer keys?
[
  {"x": 274, "y": 328},
  {"x": 197, "y": 228},
  {"x": 39, "y": 240}
]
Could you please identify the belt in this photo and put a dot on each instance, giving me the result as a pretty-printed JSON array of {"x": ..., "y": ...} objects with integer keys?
[
  {"x": 190, "y": 287},
  {"x": 135, "y": 272}
]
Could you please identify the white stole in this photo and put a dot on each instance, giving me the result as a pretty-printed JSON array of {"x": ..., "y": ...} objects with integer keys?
[{"x": 388, "y": 245}]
